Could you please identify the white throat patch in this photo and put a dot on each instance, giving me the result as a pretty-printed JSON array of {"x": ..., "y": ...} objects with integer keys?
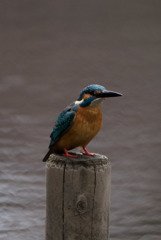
[
  {"x": 78, "y": 102},
  {"x": 96, "y": 101}
]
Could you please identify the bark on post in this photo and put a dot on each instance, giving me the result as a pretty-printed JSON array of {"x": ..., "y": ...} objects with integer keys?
[{"x": 78, "y": 198}]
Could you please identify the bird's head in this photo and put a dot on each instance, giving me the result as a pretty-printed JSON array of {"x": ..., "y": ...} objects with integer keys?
[{"x": 93, "y": 95}]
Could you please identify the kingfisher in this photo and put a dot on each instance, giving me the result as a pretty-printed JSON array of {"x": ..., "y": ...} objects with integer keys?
[{"x": 79, "y": 123}]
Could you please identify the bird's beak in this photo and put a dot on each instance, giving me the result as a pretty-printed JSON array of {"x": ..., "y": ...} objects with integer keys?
[{"x": 106, "y": 93}]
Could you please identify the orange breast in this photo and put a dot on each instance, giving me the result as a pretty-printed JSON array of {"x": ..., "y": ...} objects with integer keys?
[{"x": 86, "y": 125}]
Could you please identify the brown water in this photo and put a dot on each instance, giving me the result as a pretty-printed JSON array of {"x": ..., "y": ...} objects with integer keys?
[{"x": 49, "y": 51}]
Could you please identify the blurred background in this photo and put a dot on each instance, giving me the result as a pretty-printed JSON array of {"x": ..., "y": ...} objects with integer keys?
[{"x": 49, "y": 51}]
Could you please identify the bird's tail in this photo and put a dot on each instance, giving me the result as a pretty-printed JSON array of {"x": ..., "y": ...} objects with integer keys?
[{"x": 46, "y": 156}]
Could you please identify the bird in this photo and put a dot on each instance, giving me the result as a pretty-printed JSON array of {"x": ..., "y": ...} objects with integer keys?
[{"x": 79, "y": 122}]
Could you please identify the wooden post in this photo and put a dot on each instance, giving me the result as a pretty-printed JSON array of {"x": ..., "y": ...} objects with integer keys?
[{"x": 78, "y": 197}]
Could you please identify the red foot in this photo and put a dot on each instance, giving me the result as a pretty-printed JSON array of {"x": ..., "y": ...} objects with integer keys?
[
  {"x": 87, "y": 153},
  {"x": 66, "y": 154}
]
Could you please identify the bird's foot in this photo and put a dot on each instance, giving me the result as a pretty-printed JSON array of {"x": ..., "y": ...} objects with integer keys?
[
  {"x": 66, "y": 154},
  {"x": 87, "y": 153}
]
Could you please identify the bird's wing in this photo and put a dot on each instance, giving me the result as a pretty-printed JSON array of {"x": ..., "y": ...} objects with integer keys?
[{"x": 63, "y": 123}]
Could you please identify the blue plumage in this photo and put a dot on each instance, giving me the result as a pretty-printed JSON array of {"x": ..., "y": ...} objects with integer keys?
[
  {"x": 63, "y": 123},
  {"x": 87, "y": 102}
]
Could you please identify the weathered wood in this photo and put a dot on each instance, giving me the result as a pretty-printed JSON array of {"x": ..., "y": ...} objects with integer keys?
[{"x": 78, "y": 198}]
